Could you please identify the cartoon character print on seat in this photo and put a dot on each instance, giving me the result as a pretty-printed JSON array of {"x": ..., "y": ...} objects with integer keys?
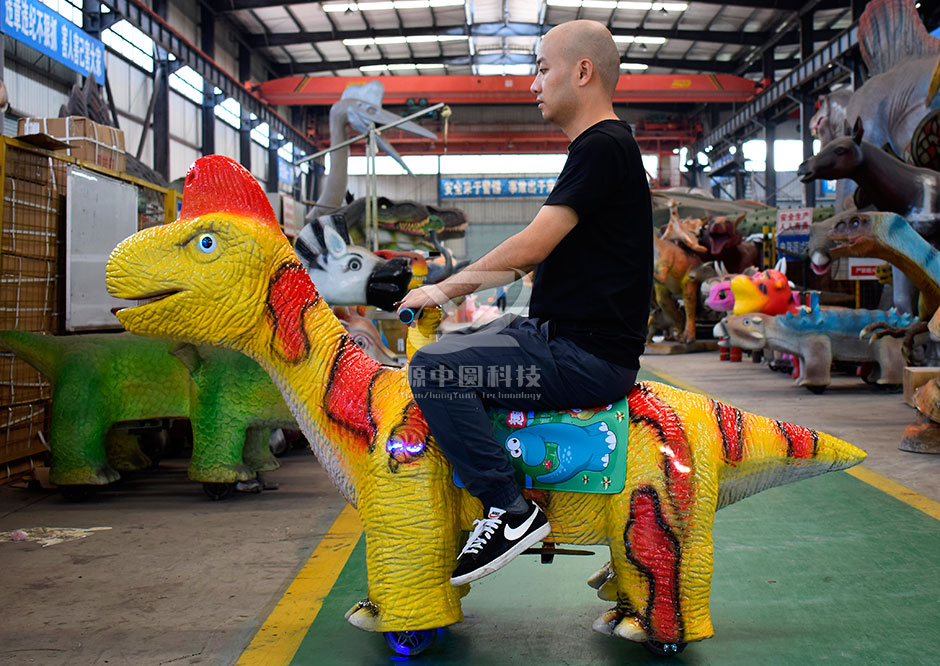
[{"x": 555, "y": 452}]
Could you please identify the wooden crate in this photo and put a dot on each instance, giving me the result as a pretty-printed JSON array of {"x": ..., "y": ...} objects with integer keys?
[{"x": 22, "y": 429}]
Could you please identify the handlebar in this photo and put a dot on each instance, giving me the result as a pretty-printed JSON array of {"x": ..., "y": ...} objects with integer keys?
[{"x": 408, "y": 315}]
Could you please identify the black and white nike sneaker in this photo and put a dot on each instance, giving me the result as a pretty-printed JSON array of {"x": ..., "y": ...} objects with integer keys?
[{"x": 496, "y": 540}]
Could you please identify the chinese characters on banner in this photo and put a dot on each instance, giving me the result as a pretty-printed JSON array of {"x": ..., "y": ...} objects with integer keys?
[
  {"x": 50, "y": 33},
  {"x": 793, "y": 231},
  {"x": 452, "y": 188}
]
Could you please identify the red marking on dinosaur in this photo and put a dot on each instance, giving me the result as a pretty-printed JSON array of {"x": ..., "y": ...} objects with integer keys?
[
  {"x": 801, "y": 441},
  {"x": 677, "y": 458},
  {"x": 730, "y": 422},
  {"x": 290, "y": 294},
  {"x": 218, "y": 184},
  {"x": 348, "y": 399},
  {"x": 655, "y": 551}
]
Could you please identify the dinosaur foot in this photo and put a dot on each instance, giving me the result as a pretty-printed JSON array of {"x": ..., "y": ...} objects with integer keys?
[
  {"x": 613, "y": 623},
  {"x": 85, "y": 476},
  {"x": 364, "y": 615},
  {"x": 922, "y": 436},
  {"x": 221, "y": 473}
]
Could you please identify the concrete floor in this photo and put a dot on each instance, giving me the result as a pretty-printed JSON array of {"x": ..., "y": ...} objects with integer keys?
[{"x": 183, "y": 580}]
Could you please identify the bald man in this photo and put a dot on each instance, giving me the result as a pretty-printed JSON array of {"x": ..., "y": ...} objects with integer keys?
[{"x": 591, "y": 246}]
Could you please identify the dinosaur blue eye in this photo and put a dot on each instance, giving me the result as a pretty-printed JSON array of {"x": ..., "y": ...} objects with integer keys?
[{"x": 207, "y": 243}]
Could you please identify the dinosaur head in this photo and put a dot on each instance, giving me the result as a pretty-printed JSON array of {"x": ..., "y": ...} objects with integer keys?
[
  {"x": 854, "y": 234},
  {"x": 207, "y": 277},
  {"x": 720, "y": 297},
  {"x": 723, "y": 233},
  {"x": 767, "y": 292},
  {"x": 746, "y": 331}
]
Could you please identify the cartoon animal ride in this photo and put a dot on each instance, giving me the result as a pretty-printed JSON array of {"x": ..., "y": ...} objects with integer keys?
[
  {"x": 687, "y": 455},
  {"x": 818, "y": 337},
  {"x": 100, "y": 380},
  {"x": 767, "y": 292}
]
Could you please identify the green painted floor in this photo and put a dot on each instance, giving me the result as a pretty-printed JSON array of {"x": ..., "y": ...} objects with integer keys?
[{"x": 829, "y": 570}]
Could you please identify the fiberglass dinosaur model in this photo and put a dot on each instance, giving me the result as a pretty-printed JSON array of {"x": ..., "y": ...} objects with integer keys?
[
  {"x": 102, "y": 379},
  {"x": 817, "y": 337},
  {"x": 688, "y": 455}
]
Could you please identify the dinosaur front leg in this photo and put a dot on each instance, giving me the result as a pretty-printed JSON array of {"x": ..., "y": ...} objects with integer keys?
[
  {"x": 668, "y": 305},
  {"x": 816, "y": 353},
  {"x": 412, "y": 532},
  {"x": 890, "y": 358},
  {"x": 218, "y": 446}
]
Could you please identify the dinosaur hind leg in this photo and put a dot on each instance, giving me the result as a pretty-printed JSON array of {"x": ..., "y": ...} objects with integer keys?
[{"x": 661, "y": 594}]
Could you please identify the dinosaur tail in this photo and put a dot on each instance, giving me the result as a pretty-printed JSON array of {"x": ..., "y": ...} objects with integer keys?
[
  {"x": 43, "y": 352},
  {"x": 753, "y": 452}
]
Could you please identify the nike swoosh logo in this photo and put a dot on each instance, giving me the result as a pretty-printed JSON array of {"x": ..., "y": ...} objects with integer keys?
[{"x": 515, "y": 533}]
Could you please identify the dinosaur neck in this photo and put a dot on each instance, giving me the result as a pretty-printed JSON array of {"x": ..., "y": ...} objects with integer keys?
[
  {"x": 326, "y": 379},
  {"x": 898, "y": 243},
  {"x": 334, "y": 189}
]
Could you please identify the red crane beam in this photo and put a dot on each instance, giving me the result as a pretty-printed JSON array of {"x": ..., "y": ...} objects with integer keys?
[{"x": 325, "y": 90}]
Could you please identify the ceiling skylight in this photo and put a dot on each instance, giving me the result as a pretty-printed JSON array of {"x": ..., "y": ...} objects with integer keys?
[{"x": 389, "y": 4}]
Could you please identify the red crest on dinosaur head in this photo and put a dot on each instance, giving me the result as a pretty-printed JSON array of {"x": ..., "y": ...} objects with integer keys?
[{"x": 219, "y": 184}]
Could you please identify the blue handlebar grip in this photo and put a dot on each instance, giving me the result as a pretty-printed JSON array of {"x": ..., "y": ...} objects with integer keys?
[{"x": 407, "y": 315}]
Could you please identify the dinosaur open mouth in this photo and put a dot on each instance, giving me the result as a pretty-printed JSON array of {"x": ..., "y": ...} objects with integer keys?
[{"x": 147, "y": 299}]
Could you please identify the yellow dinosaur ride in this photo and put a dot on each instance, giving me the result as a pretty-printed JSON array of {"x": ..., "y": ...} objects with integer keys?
[{"x": 224, "y": 274}]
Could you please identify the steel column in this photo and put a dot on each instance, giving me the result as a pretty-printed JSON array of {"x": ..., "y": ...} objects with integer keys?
[
  {"x": 207, "y": 40},
  {"x": 807, "y": 109},
  {"x": 770, "y": 171},
  {"x": 244, "y": 132}
]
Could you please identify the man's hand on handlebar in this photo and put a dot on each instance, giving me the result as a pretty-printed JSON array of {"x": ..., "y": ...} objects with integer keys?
[{"x": 415, "y": 300}]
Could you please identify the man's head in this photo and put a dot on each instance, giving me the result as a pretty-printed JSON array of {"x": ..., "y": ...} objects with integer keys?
[{"x": 578, "y": 67}]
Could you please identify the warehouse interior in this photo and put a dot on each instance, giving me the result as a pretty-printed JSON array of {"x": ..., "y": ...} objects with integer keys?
[{"x": 162, "y": 500}]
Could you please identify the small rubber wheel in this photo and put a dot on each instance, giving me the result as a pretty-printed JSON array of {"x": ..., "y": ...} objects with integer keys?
[
  {"x": 79, "y": 493},
  {"x": 664, "y": 649},
  {"x": 409, "y": 642},
  {"x": 218, "y": 491},
  {"x": 815, "y": 389}
]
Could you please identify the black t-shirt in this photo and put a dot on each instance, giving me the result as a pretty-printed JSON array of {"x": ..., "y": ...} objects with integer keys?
[{"x": 596, "y": 284}]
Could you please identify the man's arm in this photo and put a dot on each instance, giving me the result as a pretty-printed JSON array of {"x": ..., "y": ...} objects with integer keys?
[{"x": 508, "y": 261}]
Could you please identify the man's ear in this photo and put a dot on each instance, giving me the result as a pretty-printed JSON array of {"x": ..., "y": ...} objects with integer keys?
[{"x": 585, "y": 71}]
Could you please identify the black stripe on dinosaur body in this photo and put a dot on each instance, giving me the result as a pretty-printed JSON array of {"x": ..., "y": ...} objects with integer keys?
[
  {"x": 792, "y": 445},
  {"x": 646, "y": 618},
  {"x": 732, "y": 443}
]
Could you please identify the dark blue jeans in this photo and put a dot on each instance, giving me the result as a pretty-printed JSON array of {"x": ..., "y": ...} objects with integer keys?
[{"x": 513, "y": 363}]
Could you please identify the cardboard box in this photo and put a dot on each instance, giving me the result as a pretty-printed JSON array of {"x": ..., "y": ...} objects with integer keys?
[
  {"x": 88, "y": 140},
  {"x": 31, "y": 214},
  {"x": 21, "y": 383},
  {"x": 29, "y": 166},
  {"x": 29, "y": 294},
  {"x": 914, "y": 378},
  {"x": 22, "y": 428}
]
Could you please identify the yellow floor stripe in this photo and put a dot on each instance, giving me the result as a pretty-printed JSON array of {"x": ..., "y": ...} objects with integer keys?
[
  {"x": 277, "y": 640},
  {"x": 906, "y": 495},
  {"x": 872, "y": 478}
]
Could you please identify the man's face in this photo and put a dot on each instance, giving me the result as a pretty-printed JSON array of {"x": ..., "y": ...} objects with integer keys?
[{"x": 553, "y": 86}]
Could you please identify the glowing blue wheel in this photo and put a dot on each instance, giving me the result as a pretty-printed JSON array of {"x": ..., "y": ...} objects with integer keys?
[
  {"x": 409, "y": 642},
  {"x": 664, "y": 649}
]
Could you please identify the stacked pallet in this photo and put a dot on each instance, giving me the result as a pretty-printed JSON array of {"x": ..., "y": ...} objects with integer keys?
[{"x": 30, "y": 284}]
